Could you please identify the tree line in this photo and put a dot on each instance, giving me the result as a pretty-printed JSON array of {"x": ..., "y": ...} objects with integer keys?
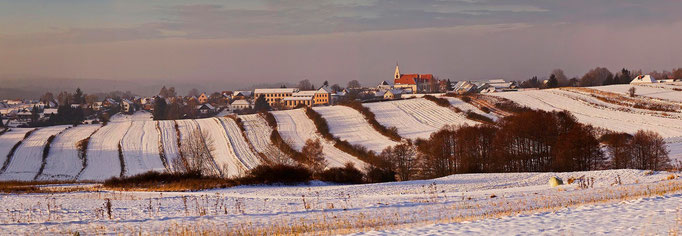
[
  {"x": 595, "y": 77},
  {"x": 529, "y": 141}
]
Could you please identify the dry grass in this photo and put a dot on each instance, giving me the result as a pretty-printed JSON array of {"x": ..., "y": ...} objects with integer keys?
[{"x": 25, "y": 187}]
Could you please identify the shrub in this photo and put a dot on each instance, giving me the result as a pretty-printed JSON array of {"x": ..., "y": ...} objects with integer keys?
[
  {"x": 169, "y": 181},
  {"x": 270, "y": 118},
  {"x": 510, "y": 106},
  {"x": 282, "y": 174},
  {"x": 466, "y": 99},
  {"x": 379, "y": 175},
  {"x": 478, "y": 117},
  {"x": 485, "y": 109},
  {"x": 345, "y": 175},
  {"x": 439, "y": 101}
]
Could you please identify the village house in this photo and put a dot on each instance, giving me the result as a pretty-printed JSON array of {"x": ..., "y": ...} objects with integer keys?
[
  {"x": 203, "y": 98},
  {"x": 274, "y": 96},
  {"x": 127, "y": 106},
  {"x": 643, "y": 79},
  {"x": 206, "y": 110},
  {"x": 241, "y": 104},
  {"x": 323, "y": 96},
  {"x": 416, "y": 82}
]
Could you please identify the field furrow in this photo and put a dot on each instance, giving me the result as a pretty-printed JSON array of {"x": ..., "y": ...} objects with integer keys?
[
  {"x": 63, "y": 162},
  {"x": 141, "y": 148},
  {"x": 103, "y": 161},
  {"x": 26, "y": 161},
  {"x": 348, "y": 124},
  {"x": 295, "y": 128}
]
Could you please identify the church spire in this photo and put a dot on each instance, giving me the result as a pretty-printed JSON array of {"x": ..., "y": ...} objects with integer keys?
[{"x": 397, "y": 71}]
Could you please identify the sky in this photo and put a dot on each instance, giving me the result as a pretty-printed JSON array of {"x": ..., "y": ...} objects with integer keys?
[{"x": 241, "y": 43}]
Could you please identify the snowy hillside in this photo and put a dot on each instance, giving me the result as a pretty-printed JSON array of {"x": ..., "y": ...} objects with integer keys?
[
  {"x": 663, "y": 91},
  {"x": 348, "y": 124},
  {"x": 63, "y": 161},
  {"x": 295, "y": 127},
  {"x": 416, "y": 118},
  {"x": 27, "y": 159},
  {"x": 488, "y": 204}
]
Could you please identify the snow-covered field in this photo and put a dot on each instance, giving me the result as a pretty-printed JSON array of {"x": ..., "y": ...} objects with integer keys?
[
  {"x": 600, "y": 114},
  {"x": 416, "y": 118},
  {"x": 258, "y": 133},
  {"x": 26, "y": 162},
  {"x": 169, "y": 140},
  {"x": 63, "y": 161},
  {"x": 348, "y": 124},
  {"x": 295, "y": 127},
  {"x": 102, "y": 160},
  {"x": 488, "y": 204},
  {"x": 663, "y": 91},
  {"x": 140, "y": 147},
  {"x": 9, "y": 139}
]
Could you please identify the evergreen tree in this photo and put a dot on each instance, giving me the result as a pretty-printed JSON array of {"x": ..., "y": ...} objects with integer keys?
[
  {"x": 448, "y": 86},
  {"x": 78, "y": 97},
  {"x": 261, "y": 104},
  {"x": 552, "y": 82},
  {"x": 160, "y": 111}
]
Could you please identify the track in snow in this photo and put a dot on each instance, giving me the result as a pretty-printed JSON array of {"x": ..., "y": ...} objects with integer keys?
[
  {"x": 169, "y": 140},
  {"x": 141, "y": 148},
  {"x": 26, "y": 161},
  {"x": 9, "y": 139},
  {"x": 102, "y": 156},
  {"x": 246, "y": 156},
  {"x": 258, "y": 132},
  {"x": 223, "y": 153},
  {"x": 63, "y": 162},
  {"x": 295, "y": 127},
  {"x": 416, "y": 118},
  {"x": 348, "y": 124}
]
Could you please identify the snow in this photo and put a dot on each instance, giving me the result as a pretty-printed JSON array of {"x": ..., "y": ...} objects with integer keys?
[
  {"x": 455, "y": 102},
  {"x": 647, "y": 216},
  {"x": 169, "y": 140},
  {"x": 9, "y": 139},
  {"x": 221, "y": 151},
  {"x": 103, "y": 161},
  {"x": 659, "y": 91},
  {"x": 243, "y": 151},
  {"x": 26, "y": 161},
  {"x": 63, "y": 162},
  {"x": 612, "y": 119},
  {"x": 141, "y": 148},
  {"x": 295, "y": 128},
  {"x": 416, "y": 118},
  {"x": 409, "y": 207},
  {"x": 258, "y": 133},
  {"x": 348, "y": 124}
]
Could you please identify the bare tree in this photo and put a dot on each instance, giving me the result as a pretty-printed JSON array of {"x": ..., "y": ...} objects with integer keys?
[
  {"x": 354, "y": 84},
  {"x": 312, "y": 150},
  {"x": 196, "y": 156},
  {"x": 304, "y": 84},
  {"x": 403, "y": 160},
  {"x": 560, "y": 77}
]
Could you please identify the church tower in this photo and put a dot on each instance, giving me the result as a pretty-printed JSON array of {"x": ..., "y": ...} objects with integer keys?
[{"x": 397, "y": 72}]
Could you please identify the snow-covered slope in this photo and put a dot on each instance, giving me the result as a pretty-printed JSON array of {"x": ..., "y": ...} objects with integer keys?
[
  {"x": 468, "y": 107},
  {"x": 661, "y": 91},
  {"x": 244, "y": 153},
  {"x": 26, "y": 161},
  {"x": 103, "y": 161},
  {"x": 295, "y": 127},
  {"x": 222, "y": 152},
  {"x": 612, "y": 119},
  {"x": 141, "y": 148},
  {"x": 9, "y": 139},
  {"x": 416, "y": 118},
  {"x": 63, "y": 162},
  {"x": 258, "y": 133},
  {"x": 169, "y": 140},
  {"x": 348, "y": 124}
]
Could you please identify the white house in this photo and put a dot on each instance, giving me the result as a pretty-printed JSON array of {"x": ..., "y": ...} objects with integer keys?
[
  {"x": 127, "y": 105},
  {"x": 643, "y": 79},
  {"x": 241, "y": 104}
]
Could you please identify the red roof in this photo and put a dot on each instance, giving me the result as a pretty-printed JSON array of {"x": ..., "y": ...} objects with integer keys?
[{"x": 413, "y": 78}]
